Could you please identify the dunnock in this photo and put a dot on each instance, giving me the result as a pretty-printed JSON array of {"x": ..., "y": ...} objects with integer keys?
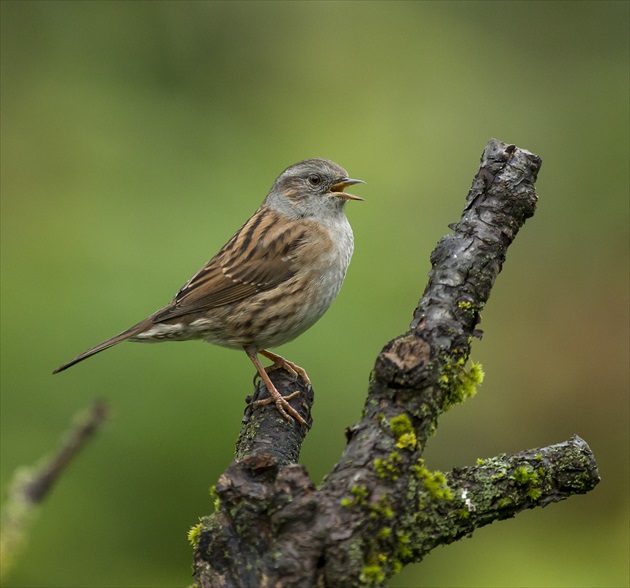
[{"x": 270, "y": 282}]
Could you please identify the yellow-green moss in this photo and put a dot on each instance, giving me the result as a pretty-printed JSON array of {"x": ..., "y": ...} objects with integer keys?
[
  {"x": 359, "y": 497},
  {"x": 193, "y": 534},
  {"x": 384, "y": 533},
  {"x": 381, "y": 509},
  {"x": 526, "y": 476},
  {"x": 360, "y": 493},
  {"x": 534, "y": 493},
  {"x": 404, "y": 433},
  {"x": 460, "y": 383},
  {"x": 407, "y": 441},
  {"x": 213, "y": 495},
  {"x": 400, "y": 425},
  {"x": 372, "y": 574},
  {"x": 388, "y": 468},
  {"x": 434, "y": 482},
  {"x": 404, "y": 551}
]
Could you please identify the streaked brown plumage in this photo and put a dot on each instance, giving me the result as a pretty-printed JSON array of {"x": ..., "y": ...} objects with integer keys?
[{"x": 270, "y": 282}]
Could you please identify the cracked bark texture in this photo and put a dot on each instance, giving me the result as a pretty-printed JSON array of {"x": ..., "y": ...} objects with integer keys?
[{"x": 381, "y": 507}]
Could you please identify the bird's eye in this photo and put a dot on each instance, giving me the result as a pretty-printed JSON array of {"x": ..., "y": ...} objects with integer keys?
[{"x": 314, "y": 180}]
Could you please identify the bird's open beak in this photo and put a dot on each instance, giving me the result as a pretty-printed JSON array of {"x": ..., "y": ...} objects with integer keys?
[{"x": 343, "y": 183}]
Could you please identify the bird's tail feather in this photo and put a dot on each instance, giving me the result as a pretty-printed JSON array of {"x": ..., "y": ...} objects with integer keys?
[{"x": 130, "y": 332}]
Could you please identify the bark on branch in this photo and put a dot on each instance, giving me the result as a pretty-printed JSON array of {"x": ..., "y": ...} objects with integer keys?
[{"x": 381, "y": 507}]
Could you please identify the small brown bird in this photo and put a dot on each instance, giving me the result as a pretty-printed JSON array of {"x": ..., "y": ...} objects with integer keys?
[{"x": 270, "y": 282}]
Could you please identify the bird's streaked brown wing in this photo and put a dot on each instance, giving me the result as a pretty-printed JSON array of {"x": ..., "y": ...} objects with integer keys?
[{"x": 258, "y": 257}]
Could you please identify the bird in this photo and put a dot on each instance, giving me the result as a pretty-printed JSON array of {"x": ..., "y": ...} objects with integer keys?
[{"x": 269, "y": 283}]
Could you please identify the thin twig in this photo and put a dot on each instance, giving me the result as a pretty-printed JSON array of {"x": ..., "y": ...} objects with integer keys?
[{"x": 30, "y": 485}]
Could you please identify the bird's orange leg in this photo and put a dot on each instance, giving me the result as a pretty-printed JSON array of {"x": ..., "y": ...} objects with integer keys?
[{"x": 281, "y": 402}]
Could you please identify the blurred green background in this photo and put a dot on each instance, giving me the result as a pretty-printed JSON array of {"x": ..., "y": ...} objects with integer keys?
[{"x": 138, "y": 136}]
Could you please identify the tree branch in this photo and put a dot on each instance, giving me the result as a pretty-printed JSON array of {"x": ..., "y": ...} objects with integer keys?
[
  {"x": 381, "y": 507},
  {"x": 265, "y": 431},
  {"x": 501, "y": 487},
  {"x": 30, "y": 485}
]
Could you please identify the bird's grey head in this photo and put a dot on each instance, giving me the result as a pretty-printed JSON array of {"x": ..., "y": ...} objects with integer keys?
[{"x": 313, "y": 188}]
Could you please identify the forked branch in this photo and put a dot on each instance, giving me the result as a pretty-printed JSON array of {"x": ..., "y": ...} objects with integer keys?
[{"x": 381, "y": 507}]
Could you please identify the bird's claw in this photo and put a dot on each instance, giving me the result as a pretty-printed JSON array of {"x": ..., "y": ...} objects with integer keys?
[{"x": 283, "y": 406}]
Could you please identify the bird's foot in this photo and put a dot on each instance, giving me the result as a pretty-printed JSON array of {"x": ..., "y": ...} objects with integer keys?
[
  {"x": 280, "y": 362},
  {"x": 281, "y": 402}
]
